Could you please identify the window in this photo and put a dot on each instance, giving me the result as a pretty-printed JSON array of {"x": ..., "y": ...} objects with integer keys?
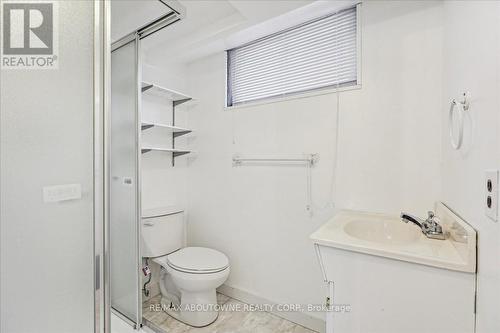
[{"x": 317, "y": 54}]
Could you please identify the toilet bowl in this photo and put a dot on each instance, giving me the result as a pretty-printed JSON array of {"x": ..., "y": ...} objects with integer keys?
[
  {"x": 188, "y": 284},
  {"x": 189, "y": 275}
]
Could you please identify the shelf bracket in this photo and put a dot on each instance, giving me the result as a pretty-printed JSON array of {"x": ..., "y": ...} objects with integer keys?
[
  {"x": 180, "y": 153},
  {"x": 143, "y": 89},
  {"x": 176, "y": 134},
  {"x": 180, "y": 101}
]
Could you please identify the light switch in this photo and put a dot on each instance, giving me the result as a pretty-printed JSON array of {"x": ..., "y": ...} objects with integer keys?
[
  {"x": 62, "y": 192},
  {"x": 491, "y": 194}
]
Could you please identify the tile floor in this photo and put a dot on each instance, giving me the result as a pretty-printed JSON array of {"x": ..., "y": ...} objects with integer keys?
[{"x": 227, "y": 322}]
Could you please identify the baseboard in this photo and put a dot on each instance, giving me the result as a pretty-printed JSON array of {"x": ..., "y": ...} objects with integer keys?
[{"x": 300, "y": 318}]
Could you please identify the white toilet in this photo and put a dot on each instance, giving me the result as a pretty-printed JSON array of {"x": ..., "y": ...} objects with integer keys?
[{"x": 189, "y": 275}]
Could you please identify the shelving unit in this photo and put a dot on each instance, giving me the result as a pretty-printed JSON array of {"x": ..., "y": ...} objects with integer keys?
[{"x": 177, "y": 99}]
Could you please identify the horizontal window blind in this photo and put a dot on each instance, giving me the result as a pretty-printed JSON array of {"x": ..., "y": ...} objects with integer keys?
[{"x": 317, "y": 54}]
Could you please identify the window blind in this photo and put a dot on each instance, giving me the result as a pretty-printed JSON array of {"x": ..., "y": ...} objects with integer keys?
[{"x": 316, "y": 54}]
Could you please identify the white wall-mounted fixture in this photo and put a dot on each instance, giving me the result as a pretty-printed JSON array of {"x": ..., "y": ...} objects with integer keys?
[
  {"x": 491, "y": 194},
  {"x": 311, "y": 159},
  {"x": 307, "y": 160},
  {"x": 62, "y": 193},
  {"x": 457, "y": 110},
  {"x": 176, "y": 98}
]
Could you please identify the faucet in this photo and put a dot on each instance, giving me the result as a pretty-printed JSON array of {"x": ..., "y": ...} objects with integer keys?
[{"x": 430, "y": 227}]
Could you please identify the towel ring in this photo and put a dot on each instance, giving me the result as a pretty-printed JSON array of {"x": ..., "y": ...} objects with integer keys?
[{"x": 462, "y": 106}]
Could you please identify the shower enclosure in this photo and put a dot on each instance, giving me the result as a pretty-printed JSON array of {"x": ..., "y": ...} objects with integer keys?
[
  {"x": 70, "y": 191},
  {"x": 52, "y": 172}
]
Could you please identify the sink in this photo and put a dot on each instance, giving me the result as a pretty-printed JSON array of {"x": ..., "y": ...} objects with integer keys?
[
  {"x": 382, "y": 231},
  {"x": 387, "y": 236}
]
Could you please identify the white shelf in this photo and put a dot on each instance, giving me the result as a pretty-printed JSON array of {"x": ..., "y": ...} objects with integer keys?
[
  {"x": 174, "y": 151},
  {"x": 175, "y": 130},
  {"x": 156, "y": 90},
  {"x": 177, "y": 98}
]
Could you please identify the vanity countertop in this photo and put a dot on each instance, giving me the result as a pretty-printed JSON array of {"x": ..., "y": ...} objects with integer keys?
[{"x": 387, "y": 236}]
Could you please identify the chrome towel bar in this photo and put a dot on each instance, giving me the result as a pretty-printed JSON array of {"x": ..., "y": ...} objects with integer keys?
[{"x": 310, "y": 159}]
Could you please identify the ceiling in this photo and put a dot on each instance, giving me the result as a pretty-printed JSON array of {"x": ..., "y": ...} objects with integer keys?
[
  {"x": 129, "y": 16},
  {"x": 211, "y": 26}
]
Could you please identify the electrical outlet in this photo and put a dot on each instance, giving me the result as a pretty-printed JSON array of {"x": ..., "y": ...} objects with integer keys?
[{"x": 491, "y": 194}]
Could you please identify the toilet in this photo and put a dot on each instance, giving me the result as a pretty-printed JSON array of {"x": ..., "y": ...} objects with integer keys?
[{"x": 189, "y": 275}]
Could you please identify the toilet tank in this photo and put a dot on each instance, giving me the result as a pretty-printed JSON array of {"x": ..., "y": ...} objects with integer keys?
[{"x": 162, "y": 231}]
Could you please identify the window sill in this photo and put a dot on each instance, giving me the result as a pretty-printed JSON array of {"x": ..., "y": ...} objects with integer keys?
[{"x": 308, "y": 94}]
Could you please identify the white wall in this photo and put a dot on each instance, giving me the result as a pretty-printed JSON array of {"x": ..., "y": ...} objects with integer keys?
[
  {"x": 471, "y": 50},
  {"x": 389, "y": 155},
  {"x": 256, "y": 214},
  {"x": 389, "y": 158},
  {"x": 47, "y": 139}
]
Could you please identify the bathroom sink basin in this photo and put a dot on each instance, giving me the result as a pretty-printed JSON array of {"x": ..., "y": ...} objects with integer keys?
[
  {"x": 388, "y": 231},
  {"x": 387, "y": 236}
]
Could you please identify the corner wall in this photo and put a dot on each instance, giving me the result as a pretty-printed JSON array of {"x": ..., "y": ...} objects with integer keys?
[{"x": 472, "y": 53}]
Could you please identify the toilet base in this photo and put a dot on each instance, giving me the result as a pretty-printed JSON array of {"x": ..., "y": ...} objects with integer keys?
[
  {"x": 191, "y": 297},
  {"x": 196, "y": 309}
]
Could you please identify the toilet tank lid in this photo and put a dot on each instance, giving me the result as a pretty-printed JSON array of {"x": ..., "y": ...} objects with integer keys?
[{"x": 161, "y": 211}]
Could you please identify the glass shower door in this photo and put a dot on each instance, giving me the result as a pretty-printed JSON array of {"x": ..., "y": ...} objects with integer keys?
[
  {"x": 50, "y": 185},
  {"x": 124, "y": 182}
]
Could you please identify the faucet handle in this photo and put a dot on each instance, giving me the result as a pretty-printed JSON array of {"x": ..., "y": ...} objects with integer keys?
[{"x": 433, "y": 221}]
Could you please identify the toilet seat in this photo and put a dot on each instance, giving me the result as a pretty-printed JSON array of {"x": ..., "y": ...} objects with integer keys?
[
  {"x": 190, "y": 276},
  {"x": 197, "y": 260}
]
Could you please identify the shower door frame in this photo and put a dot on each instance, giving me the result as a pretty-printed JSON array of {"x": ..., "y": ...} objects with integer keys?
[
  {"x": 175, "y": 15},
  {"x": 132, "y": 38},
  {"x": 101, "y": 91}
]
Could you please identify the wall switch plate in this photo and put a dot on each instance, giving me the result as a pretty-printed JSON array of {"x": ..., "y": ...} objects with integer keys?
[
  {"x": 62, "y": 192},
  {"x": 491, "y": 194}
]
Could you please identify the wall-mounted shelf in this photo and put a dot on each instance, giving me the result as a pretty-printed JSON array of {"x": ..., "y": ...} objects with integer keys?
[
  {"x": 175, "y": 130},
  {"x": 175, "y": 152},
  {"x": 177, "y": 99},
  {"x": 156, "y": 90}
]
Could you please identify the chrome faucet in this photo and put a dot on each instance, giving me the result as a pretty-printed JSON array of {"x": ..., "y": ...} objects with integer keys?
[{"x": 430, "y": 227}]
